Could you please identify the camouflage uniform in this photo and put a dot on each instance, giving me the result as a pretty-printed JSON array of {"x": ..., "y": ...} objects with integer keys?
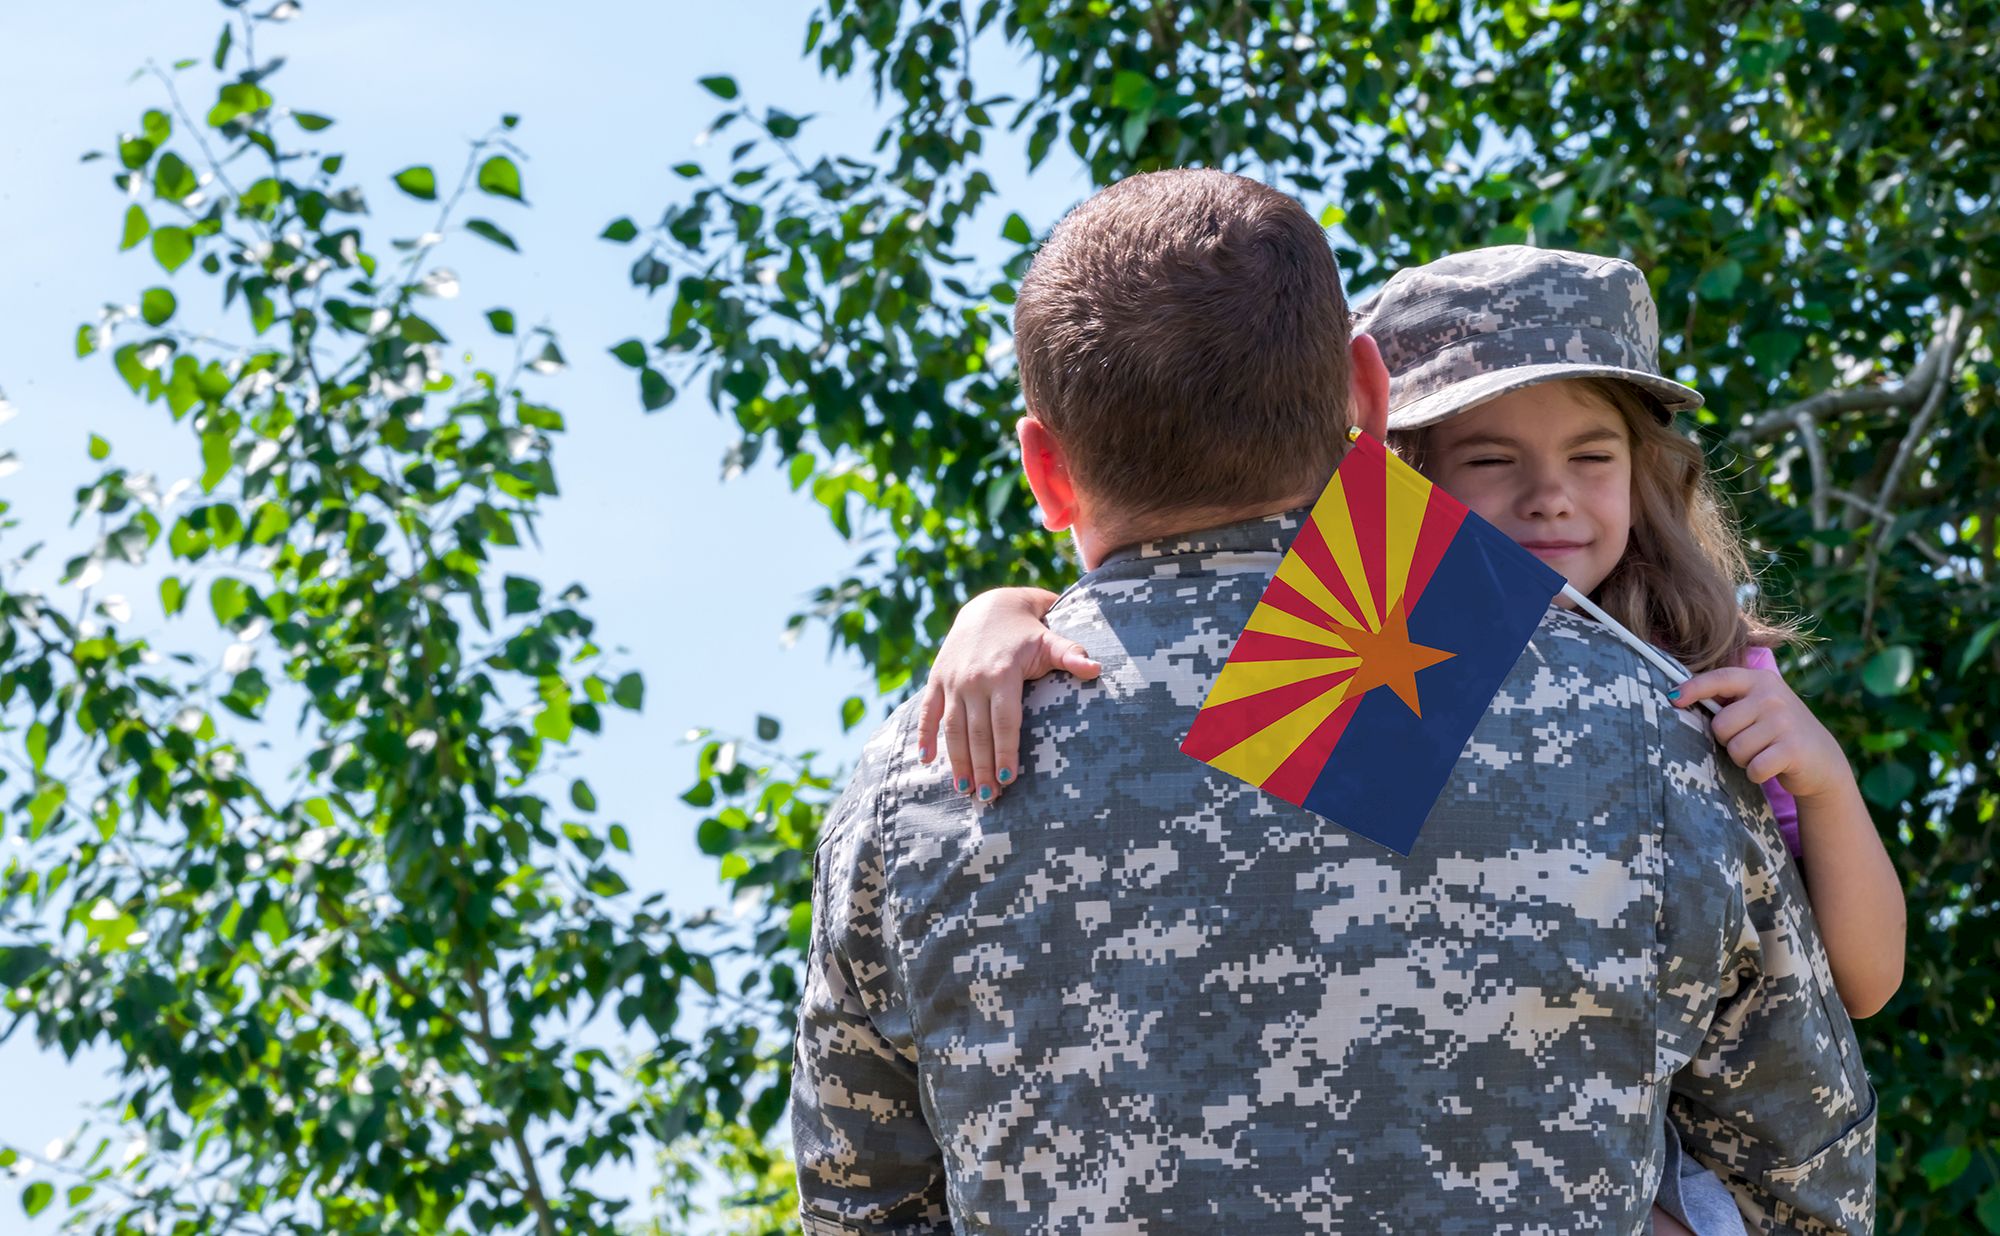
[{"x": 1137, "y": 996}]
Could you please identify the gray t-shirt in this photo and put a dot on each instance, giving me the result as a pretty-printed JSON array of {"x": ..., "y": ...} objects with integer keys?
[{"x": 1135, "y": 995}]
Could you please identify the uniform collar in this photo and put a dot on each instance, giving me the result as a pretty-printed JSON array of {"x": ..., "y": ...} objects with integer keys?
[{"x": 1267, "y": 534}]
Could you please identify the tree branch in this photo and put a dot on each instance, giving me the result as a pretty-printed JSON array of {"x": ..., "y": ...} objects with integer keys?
[{"x": 1912, "y": 389}]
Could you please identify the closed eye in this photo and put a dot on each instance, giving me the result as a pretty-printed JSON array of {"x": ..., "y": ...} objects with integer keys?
[
  {"x": 1592, "y": 458},
  {"x": 1487, "y": 461}
]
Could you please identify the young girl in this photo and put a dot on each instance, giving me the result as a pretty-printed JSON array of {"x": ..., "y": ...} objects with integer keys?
[{"x": 1580, "y": 465}]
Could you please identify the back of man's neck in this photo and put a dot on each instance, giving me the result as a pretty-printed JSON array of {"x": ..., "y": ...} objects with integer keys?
[{"x": 1097, "y": 541}]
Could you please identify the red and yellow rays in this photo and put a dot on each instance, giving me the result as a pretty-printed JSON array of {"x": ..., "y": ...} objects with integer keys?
[{"x": 1332, "y": 627}]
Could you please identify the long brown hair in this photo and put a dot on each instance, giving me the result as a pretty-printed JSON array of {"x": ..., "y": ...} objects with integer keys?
[{"x": 1684, "y": 581}]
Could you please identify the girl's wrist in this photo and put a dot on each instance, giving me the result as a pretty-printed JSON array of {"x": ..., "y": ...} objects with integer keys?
[{"x": 1840, "y": 790}]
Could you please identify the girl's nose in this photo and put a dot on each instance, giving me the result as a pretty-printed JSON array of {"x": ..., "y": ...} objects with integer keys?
[{"x": 1546, "y": 497}]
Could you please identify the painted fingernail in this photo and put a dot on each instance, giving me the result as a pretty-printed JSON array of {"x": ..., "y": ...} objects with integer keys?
[
  {"x": 1673, "y": 695},
  {"x": 985, "y": 793},
  {"x": 1006, "y": 775},
  {"x": 963, "y": 785},
  {"x": 924, "y": 754}
]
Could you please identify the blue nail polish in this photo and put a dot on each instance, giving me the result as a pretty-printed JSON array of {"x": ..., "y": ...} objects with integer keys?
[
  {"x": 924, "y": 754},
  {"x": 1006, "y": 775},
  {"x": 963, "y": 785},
  {"x": 1673, "y": 695},
  {"x": 985, "y": 793}
]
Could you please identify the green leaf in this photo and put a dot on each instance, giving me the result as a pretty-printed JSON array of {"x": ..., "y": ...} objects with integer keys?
[
  {"x": 655, "y": 392},
  {"x": 35, "y": 1198},
  {"x": 555, "y": 721},
  {"x": 630, "y": 691},
  {"x": 172, "y": 247},
  {"x": 44, "y": 806},
  {"x": 156, "y": 305},
  {"x": 157, "y": 126},
  {"x": 419, "y": 182},
  {"x": 1888, "y": 784},
  {"x": 86, "y": 340},
  {"x": 418, "y": 330},
  {"x": 620, "y": 230},
  {"x": 136, "y": 227},
  {"x": 311, "y": 122},
  {"x": 1000, "y": 493},
  {"x": 1774, "y": 350},
  {"x": 1945, "y": 1165},
  {"x": 1016, "y": 230},
  {"x": 228, "y": 597},
  {"x": 99, "y": 448},
  {"x": 217, "y": 456},
  {"x": 852, "y": 709},
  {"x": 236, "y": 100},
  {"x": 173, "y": 179},
  {"x": 721, "y": 87},
  {"x": 1720, "y": 282},
  {"x": 501, "y": 320},
  {"x": 500, "y": 177},
  {"x": 1132, "y": 91},
  {"x": 713, "y": 838},
  {"x": 523, "y": 595},
  {"x": 1988, "y": 1210},
  {"x": 483, "y": 227},
  {"x": 1889, "y": 671},
  {"x": 767, "y": 729},
  {"x": 630, "y": 352},
  {"x": 173, "y": 595},
  {"x": 1974, "y": 650},
  {"x": 580, "y": 795}
]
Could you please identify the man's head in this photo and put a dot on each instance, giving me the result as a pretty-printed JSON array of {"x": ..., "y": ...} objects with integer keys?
[{"x": 1185, "y": 354}]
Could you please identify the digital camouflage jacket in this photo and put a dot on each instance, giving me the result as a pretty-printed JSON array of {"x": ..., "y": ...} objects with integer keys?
[{"x": 1137, "y": 996}]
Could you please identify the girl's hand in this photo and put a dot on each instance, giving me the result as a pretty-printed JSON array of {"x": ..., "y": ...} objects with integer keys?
[
  {"x": 1769, "y": 732},
  {"x": 995, "y": 645}
]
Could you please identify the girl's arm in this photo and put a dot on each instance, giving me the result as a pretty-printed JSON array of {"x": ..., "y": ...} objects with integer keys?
[
  {"x": 996, "y": 644},
  {"x": 1856, "y": 896}
]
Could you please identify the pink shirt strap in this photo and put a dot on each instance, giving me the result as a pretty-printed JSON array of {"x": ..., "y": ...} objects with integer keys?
[{"x": 1783, "y": 805}]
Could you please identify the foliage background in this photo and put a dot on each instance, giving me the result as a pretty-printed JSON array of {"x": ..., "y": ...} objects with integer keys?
[{"x": 1810, "y": 188}]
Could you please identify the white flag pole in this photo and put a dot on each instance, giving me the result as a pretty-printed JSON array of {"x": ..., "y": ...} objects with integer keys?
[{"x": 1676, "y": 672}]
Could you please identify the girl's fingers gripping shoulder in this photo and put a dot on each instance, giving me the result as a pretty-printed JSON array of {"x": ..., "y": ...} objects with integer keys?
[
  {"x": 957, "y": 744},
  {"x": 979, "y": 743},
  {"x": 1734, "y": 719},
  {"x": 1728, "y": 683},
  {"x": 929, "y": 715},
  {"x": 1006, "y": 739}
]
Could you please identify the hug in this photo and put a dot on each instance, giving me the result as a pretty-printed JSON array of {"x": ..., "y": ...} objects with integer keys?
[{"x": 1069, "y": 980}]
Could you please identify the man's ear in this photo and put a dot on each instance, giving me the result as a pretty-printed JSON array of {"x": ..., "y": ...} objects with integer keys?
[
  {"x": 1370, "y": 382},
  {"x": 1042, "y": 458}
]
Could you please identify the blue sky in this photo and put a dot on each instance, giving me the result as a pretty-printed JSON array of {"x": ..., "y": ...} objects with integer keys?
[{"x": 693, "y": 577}]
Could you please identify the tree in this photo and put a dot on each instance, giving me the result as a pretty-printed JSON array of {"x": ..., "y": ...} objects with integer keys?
[
  {"x": 351, "y": 1000},
  {"x": 1809, "y": 187}
]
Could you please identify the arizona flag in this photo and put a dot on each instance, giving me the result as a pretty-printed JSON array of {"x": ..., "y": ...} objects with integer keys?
[{"x": 1392, "y": 621}]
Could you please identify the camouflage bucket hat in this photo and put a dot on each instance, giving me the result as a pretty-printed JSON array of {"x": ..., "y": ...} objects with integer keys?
[{"x": 1473, "y": 326}]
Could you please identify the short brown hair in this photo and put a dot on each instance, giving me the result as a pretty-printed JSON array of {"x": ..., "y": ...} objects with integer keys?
[{"x": 1184, "y": 336}]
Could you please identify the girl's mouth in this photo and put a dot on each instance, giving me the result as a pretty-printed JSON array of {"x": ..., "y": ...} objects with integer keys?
[{"x": 1553, "y": 549}]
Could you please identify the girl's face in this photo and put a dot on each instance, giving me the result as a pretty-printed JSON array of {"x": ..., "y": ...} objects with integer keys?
[{"x": 1550, "y": 466}]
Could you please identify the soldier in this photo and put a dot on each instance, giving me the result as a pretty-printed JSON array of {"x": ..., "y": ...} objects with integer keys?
[{"x": 1135, "y": 995}]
